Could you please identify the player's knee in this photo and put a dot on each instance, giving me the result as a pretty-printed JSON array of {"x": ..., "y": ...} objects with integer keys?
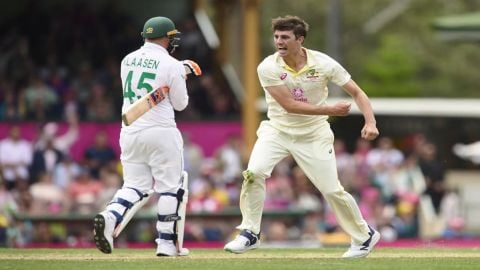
[
  {"x": 130, "y": 194},
  {"x": 251, "y": 176},
  {"x": 247, "y": 176},
  {"x": 333, "y": 195},
  {"x": 141, "y": 187}
]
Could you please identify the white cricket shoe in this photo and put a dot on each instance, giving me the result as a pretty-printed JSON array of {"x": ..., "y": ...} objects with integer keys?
[
  {"x": 166, "y": 248},
  {"x": 245, "y": 241},
  {"x": 359, "y": 251},
  {"x": 103, "y": 226}
]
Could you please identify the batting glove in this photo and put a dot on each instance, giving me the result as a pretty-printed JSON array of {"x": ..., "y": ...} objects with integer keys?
[{"x": 192, "y": 68}]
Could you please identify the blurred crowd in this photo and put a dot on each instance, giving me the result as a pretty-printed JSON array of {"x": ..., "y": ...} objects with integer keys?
[
  {"x": 67, "y": 60},
  {"x": 39, "y": 178},
  {"x": 64, "y": 66}
]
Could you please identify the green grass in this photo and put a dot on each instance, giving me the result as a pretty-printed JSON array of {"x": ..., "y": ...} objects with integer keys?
[{"x": 264, "y": 259}]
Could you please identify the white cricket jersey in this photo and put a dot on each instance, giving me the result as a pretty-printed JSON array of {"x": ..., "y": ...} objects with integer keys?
[
  {"x": 307, "y": 85},
  {"x": 145, "y": 70}
]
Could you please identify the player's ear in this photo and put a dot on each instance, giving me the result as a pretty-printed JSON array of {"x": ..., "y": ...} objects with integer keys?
[{"x": 301, "y": 39}]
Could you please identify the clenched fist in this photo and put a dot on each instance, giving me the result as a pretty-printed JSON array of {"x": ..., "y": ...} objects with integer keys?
[
  {"x": 369, "y": 131},
  {"x": 341, "y": 108}
]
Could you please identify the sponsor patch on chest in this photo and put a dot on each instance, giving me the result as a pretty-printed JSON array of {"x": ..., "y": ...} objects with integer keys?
[{"x": 298, "y": 95}]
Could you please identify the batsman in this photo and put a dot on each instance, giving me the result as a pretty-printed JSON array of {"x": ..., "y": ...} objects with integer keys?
[{"x": 151, "y": 145}]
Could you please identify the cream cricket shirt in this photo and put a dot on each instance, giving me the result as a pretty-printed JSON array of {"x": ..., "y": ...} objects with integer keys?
[{"x": 308, "y": 85}]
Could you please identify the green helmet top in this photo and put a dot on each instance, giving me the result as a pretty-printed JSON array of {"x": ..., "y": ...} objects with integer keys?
[{"x": 159, "y": 27}]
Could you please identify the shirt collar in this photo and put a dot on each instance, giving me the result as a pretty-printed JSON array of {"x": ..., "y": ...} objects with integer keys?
[
  {"x": 310, "y": 61},
  {"x": 150, "y": 45}
]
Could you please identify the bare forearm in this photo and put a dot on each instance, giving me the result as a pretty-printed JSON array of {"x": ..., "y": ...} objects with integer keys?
[
  {"x": 305, "y": 108},
  {"x": 369, "y": 130},
  {"x": 283, "y": 96},
  {"x": 363, "y": 104},
  {"x": 361, "y": 99}
]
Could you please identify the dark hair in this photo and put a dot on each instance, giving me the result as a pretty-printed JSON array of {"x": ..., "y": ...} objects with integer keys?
[{"x": 294, "y": 23}]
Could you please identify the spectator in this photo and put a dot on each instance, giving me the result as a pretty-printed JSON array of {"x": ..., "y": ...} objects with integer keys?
[
  {"x": 207, "y": 198},
  {"x": 193, "y": 156},
  {"x": 362, "y": 168},
  {"x": 49, "y": 132},
  {"x": 23, "y": 197},
  {"x": 99, "y": 154},
  {"x": 85, "y": 193},
  {"x": 408, "y": 182},
  {"x": 65, "y": 172},
  {"x": 45, "y": 161},
  {"x": 220, "y": 102},
  {"x": 371, "y": 205},
  {"x": 279, "y": 191},
  {"x": 10, "y": 109},
  {"x": 312, "y": 226},
  {"x": 15, "y": 158},
  {"x": 57, "y": 77},
  {"x": 71, "y": 107},
  {"x": 277, "y": 231},
  {"x": 47, "y": 197},
  {"x": 384, "y": 160},
  {"x": 8, "y": 206},
  {"x": 405, "y": 222},
  {"x": 345, "y": 166},
  {"x": 434, "y": 173},
  {"x": 230, "y": 159},
  {"x": 100, "y": 108},
  {"x": 451, "y": 211},
  {"x": 40, "y": 100},
  {"x": 81, "y": 85},
  {"x": 194, "y": 45},
  {"x": 18, "y": 61},
  {"x": 111, "y": 182},
  {"x": 306, "y": 197},
  {"x": 201, "y": 103}
]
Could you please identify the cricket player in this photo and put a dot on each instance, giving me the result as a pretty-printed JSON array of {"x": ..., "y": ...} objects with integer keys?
[
  {"x": 295, "y": 83},
  {"x": 151, "y": 146}
]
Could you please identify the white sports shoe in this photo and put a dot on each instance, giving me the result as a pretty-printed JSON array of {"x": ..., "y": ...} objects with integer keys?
[
  {"x": 359, "y": 251},
  {"x": 245, "y": 241},
  {"x": 103, "y": 226},
  {"x": 166, "y": 248}
]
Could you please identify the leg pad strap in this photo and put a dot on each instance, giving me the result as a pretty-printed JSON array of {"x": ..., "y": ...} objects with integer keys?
[
  {"x": 178, "y": 195},
  {"x": 169, "y": 218},
  {"x": 168, "y": 236}
]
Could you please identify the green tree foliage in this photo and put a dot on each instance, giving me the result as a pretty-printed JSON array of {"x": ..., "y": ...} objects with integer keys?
[
  {"x": 404, "y": 58},
  {"x": 391, "y": 69}
]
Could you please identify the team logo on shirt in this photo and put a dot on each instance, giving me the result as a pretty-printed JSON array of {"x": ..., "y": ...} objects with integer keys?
[
  {"x": 312, "y": 74},
  {"x": 298, "y": 95},
  {"x": 283, "y": 76}
]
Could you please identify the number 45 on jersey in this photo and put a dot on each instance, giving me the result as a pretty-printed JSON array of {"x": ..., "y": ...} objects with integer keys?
[{"x": 145, "y": 103}]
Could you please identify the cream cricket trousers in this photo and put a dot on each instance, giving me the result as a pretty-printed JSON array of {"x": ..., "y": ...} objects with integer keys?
[{"x": 316, "y": 157}]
